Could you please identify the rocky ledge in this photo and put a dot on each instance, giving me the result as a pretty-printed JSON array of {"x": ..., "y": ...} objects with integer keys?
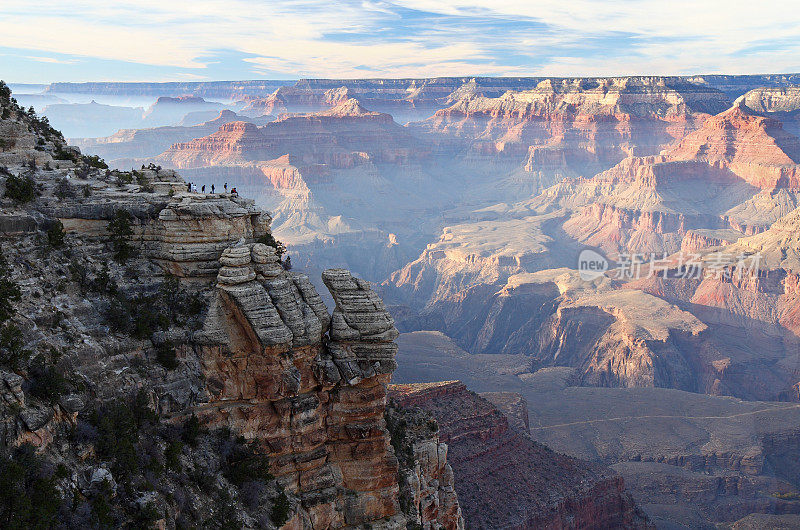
[{"x": 176, "y": 370}]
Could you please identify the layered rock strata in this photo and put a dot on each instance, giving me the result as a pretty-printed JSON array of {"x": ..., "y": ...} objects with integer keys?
[
  {"x": 263, "y": 357},
  {"x": 342, "y": 136},
  {"x": 185, "y": 233},
  {"x": 571, "y": 127},
  {"x": 550, "y": 490},
  {"x": 308, "y": 388}
]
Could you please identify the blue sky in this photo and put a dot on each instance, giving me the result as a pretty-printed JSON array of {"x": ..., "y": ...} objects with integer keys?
[{"x": 163, "y": 40}]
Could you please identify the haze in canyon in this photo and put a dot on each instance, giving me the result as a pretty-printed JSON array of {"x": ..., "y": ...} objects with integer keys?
[
  {"x": 466, "y": 202},
  {"x": 424, "y": 265}
]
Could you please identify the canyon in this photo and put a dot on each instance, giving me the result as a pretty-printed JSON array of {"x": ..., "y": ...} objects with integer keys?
[
  {"x": 466, "y": 202},
  {"x": 720, "y": 186},
  {"x": 689, "y": 460},
  {"x": 261, "y": 357},
  {"x": 230, "y": 391},
  {"x": 554, "y": 491}
]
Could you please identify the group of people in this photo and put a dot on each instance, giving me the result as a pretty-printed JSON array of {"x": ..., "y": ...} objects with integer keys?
[{"x": 191, "y": 188}]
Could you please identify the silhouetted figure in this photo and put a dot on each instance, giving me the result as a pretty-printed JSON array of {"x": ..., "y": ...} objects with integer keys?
[
  {"x": 203, "y": 189},
  {"x": 226, "y": 186},
  {"x": 212, "y": 188},
  {"x": 189, "y": 187}
]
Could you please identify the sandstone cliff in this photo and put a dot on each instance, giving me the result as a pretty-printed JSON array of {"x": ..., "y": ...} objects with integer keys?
[
  {"x": 192, "y": 378},
  {"x": 782, "y": 103},
  {"x": 306, "y": 167},
  {"x": 572, "y": 127}
]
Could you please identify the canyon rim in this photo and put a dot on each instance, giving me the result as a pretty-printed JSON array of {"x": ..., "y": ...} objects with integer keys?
[{"x": 399, "y": 265}]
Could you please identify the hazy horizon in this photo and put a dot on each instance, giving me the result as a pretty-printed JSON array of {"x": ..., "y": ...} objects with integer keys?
[
  {"x": 400, "y": 264},
  {"x": 13, "y": 83}
]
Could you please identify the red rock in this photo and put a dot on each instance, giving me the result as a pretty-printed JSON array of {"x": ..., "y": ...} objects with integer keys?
[
  {"x": 538, "y": 487},
  {"x": 342, "y": 137},
  {"x": 580, "y": 126},
  {"x": 755, "y": 148}
]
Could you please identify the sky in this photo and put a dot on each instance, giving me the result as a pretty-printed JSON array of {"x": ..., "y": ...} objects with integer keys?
[{"x": 161, "y": 40}]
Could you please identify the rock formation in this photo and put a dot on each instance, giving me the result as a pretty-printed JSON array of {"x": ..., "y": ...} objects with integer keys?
[
  {"x": 552, "y": 490},
  {"x": 572, "y": 127},
  {"x": 782, "y": 103},
  {"x": 754, "y": 148},
  {"x": 316, "y": 408},
  {"x": 334, "y": 136},
  {"x": 122, "y": 148},
  {"x": 238, "y": 344},
  {"x": 426, "y": 479}
]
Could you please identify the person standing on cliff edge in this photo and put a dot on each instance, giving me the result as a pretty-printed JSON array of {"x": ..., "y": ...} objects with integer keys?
[
  {"x": 203, "y": 189},
  {"x": 212, "y": 188}
]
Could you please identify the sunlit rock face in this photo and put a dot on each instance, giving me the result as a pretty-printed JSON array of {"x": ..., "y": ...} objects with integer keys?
[
  {"x": 781, "y": 103},
  {"x": 309, "y": 388},
  {"x": 333, "y": 137},
  {"x": 574, "y": 127}
]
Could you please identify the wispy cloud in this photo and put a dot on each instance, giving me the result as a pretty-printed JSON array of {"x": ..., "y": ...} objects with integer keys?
[
  {"x": 53, "y": 60},
  {"x": 362, "y": 38}
]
